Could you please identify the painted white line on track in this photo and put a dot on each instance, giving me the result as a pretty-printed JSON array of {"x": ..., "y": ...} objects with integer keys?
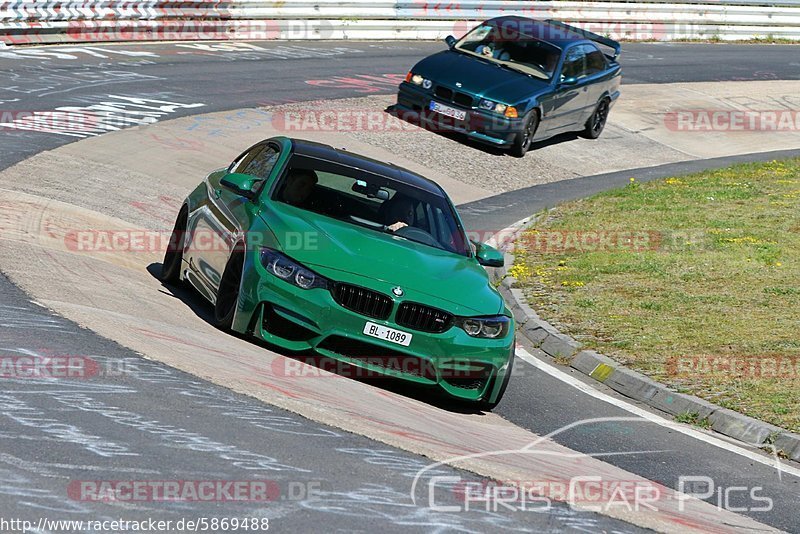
[{"x": 558, "y": 374}]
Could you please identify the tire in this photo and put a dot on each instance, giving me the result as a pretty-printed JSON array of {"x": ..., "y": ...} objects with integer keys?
[
  {"x": 173, "y": 258},
  {"x": 487, "y": 406},
  {"x": 597, "y": 122},
  {"x": 228, "y": 292},
  {"x": 524, "y": 138}
]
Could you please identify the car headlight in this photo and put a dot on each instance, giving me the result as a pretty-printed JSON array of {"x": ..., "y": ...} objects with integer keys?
[
  {"x": 486, "y": 327},
  {"x": 418, "y": 79},
  {"x": 493, "y": 106},
  {"x": 287, "y": 269}
]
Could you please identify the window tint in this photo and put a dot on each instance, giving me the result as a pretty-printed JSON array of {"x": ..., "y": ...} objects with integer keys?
[
  {"x": 574, "y": 64},
  {"x": 239, "y": 163},
  {"x": 260, "y": 165},
  {"x": 595, "y": 60}
]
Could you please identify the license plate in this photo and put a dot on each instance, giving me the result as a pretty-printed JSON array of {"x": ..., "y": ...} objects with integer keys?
[
  {"x": 448, "y": 111},
  {"x": 387, "y": 334}
]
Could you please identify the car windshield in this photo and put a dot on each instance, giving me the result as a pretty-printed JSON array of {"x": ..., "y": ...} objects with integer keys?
[
  {"x": 372, "y": 201},
  {"x": 506, "y": 46}
]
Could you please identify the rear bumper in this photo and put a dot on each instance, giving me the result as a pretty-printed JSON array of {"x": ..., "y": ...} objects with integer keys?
[{"x": 487, "y": 127}]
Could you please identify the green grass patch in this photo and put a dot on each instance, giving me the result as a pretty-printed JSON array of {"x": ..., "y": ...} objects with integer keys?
[
  {"x": 693, "y": 280},
  {"x": 694, "y": 419}
]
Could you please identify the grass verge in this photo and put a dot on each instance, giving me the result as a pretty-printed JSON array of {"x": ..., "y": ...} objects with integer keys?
[{"x": 694, "y": 281}]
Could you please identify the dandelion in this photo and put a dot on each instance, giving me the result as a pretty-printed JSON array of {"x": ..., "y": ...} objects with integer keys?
[{"x": 520, "y": 271}]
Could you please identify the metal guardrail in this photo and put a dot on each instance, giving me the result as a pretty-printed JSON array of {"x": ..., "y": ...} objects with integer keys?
[{"x": 46, "y": 21}]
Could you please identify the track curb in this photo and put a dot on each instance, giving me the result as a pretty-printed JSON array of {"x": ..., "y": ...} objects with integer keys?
[{"x": 629, "y": 383}]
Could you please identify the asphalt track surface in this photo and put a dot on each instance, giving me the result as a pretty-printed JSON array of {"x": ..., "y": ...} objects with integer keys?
[{"x": 364, "y": 485}]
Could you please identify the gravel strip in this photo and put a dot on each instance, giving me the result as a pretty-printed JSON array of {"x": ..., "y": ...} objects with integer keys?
[{"x": 469, "y": 162}]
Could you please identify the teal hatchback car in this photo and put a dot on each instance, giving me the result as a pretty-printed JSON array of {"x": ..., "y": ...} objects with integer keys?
[
  {"x": 512, "y": 81},
  {"x": 312, "y": 248}
]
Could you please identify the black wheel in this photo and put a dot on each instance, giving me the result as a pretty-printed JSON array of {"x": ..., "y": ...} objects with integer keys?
[
  {"x": 487, "y": 406},
  {"x": 596, "y": 123},
  {"x": 173, "y": 258},
  {"x": 228, "y": 292},
  {"x": 524, "y": 138}
]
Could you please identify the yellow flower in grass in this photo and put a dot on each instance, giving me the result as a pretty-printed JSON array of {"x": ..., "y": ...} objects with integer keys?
[
  {"x": 573, "y": 283},
  {"x": 520, "y": 271},
  {"x": 674, "y": 181},
  {"x": 746, "y": 240}
]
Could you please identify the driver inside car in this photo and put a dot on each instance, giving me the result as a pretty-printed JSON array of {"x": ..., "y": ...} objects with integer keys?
[
  {"x": 299, "y": 185},
  {"x": 492, "y": 49},
  {"x": 399, "y": 213}
]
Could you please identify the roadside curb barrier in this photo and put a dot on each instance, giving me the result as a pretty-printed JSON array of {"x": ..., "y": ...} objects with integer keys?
[
  {"x": 629, "y": 383},
  {"x": 73, "y": 21}
]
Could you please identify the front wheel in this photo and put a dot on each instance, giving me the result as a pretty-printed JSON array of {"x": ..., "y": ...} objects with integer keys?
[
  {"x": 596, "y": 123},
  {"x": 524, "y": 138},
  {"x": 228, "y": 292}
]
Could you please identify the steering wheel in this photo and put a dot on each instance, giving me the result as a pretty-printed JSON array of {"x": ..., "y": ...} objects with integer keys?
[{"x": 417, "y": 234}]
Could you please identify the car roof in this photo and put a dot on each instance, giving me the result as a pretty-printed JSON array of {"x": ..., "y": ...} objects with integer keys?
[
  {"x": 356, "y": 161},
  {"x": 542, "y": 30}
]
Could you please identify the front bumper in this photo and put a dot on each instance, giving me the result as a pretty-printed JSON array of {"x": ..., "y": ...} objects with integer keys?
[
  {"x": 485, "y": 126},
  {"x": 465, "y": 367}
]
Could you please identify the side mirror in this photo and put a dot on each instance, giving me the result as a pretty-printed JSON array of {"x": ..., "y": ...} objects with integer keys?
[
  {"x": 450, "y": 40},
  {"x": 241, "y": 184},
  {"x": 488, "y": 256},
  {"x": 567, "y": 82}
]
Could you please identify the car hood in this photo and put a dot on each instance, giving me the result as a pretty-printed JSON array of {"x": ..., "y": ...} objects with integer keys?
[
  {"x": 480, "y": 77},
  {"x": 332, "y": 247}
]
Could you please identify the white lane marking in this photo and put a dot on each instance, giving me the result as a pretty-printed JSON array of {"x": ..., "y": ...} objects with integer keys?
[{"x": 653, "y": 418}]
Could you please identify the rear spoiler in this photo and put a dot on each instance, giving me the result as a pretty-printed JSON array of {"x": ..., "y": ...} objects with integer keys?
[{"x": 589, "y": 35}]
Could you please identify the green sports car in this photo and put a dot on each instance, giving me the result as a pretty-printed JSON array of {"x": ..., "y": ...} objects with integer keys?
[{"x": 312, "y": 248}]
